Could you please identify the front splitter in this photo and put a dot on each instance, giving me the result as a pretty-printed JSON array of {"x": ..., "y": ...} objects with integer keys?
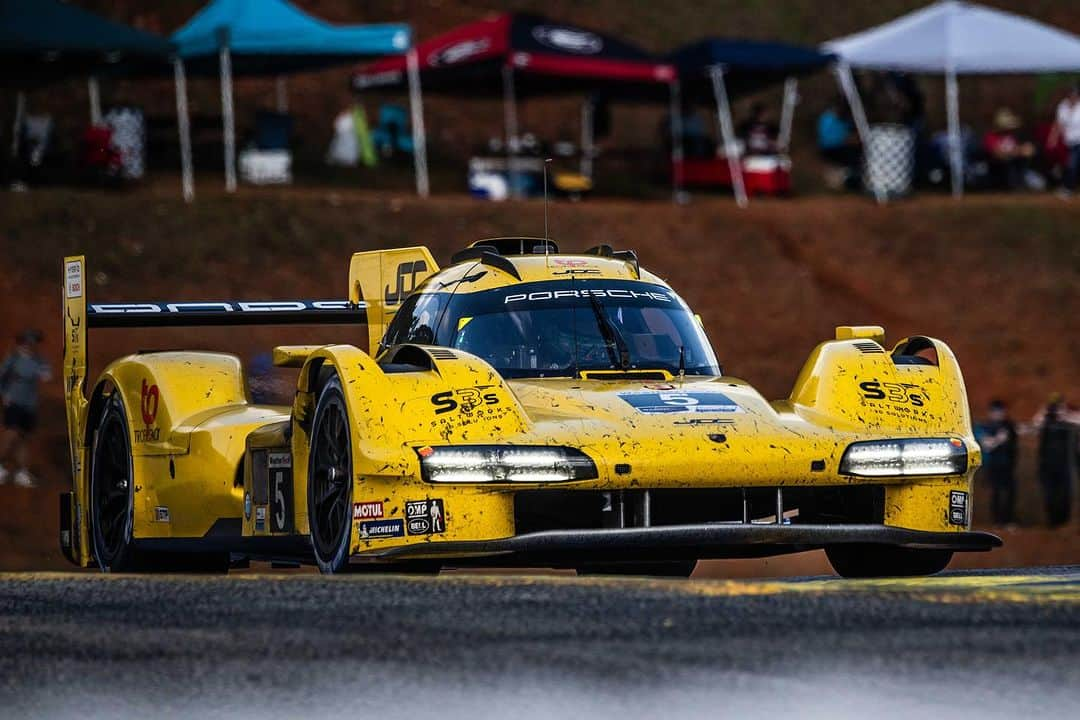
[{"x": 699, "y": 542}]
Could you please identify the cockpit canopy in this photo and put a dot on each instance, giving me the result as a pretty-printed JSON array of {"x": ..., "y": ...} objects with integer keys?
[{"x": 561, "y": 328}]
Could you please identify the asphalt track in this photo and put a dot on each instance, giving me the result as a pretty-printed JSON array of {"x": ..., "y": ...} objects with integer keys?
[{"x": 980, "y": 645}]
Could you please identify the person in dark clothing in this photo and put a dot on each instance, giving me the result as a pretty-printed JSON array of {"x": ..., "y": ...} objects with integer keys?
[
  {"x": 998, "y": 440},
  {"x": 20, "y": 374},
  {"x": 1055, "y": 471}
]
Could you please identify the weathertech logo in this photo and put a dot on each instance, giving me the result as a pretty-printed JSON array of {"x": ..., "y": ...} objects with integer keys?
[
  {"x": 367, "y": 510},
  {"x": 568, "y": 39}
]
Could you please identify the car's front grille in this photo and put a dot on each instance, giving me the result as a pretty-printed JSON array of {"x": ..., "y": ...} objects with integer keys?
[{"x": 561, "y": 509}]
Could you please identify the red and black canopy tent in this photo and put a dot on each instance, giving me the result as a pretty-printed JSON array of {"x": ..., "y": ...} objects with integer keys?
[{"x": 518, "y": 55}]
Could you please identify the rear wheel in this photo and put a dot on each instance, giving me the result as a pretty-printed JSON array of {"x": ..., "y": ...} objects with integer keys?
[
  {"x": 867, "y": 561},
  {"x": 330, "y": 480},
  {"x": 111, "y": 491},
  {"x": 681, "y": 568}
]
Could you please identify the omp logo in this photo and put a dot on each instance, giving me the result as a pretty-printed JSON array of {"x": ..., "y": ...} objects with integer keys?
[
  {"x": 149, "y": 405},
  {"x": 567, "y": 39},
  {"x": 404, "y": 270},
  {"x": 459, "y": 52}
]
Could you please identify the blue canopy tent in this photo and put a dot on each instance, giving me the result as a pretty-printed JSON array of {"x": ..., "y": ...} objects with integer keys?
[
  {"x": 717, "y": 70},
  {"x": 273, "y": 37}
]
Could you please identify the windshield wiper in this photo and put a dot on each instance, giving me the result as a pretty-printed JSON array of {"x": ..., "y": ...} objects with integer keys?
[{"x": 618, "y": 351}]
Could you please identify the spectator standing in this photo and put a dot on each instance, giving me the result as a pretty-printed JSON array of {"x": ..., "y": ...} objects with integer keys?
[
  {"x": 20, "y": 373},
  {"x": 1066, "y": 131},
  {"x": 1056, "y": 446},
  {"x": 997, "y": 437}
]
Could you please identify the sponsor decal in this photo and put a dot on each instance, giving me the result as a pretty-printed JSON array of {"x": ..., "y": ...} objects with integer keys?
[
  {"x": 958, "y": 507},
  {"x": 468, "y": 399},
  {"x": 161, "y": 514},
  {"x": 247, "y": 506},
  {"x": 279, "y": 477},
  {"x": 73, "y": 279},
  {"x": 370, "y": 510},
  {"x": 618, "y": 293},
  {"x": 570, "y": 40},
  {"x": 680, "y": 401},
  {"x": 658, "y": 386},
  {"x": 404, "y": 270},
  {"x": 386, "y": 77},
  {"x": 425, "y": 517},
  {"x": 375, "y": 529},
  {"x": 899, "y": 393},
  {"x": 260, "y": 518},
  {"x": 148, "y": 408},
  {"x": 260, "y": 306},
  {"x": 570, "y": 262},
  {"x": 459, "y": 52}
]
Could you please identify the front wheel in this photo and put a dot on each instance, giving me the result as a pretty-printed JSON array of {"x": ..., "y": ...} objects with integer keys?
[
  {"x": 330, "y": 480},
  {"x": 869, "y": 561}
]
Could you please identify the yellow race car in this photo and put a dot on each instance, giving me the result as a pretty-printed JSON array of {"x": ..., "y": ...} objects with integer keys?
[{"x": 519, "y": 407}]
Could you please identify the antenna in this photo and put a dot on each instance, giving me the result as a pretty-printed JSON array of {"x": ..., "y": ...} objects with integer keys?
[{"x": 547, "y": 244}]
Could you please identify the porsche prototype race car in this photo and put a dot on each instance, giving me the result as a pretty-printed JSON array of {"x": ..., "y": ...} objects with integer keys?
[{"x": 521, "y": 407}]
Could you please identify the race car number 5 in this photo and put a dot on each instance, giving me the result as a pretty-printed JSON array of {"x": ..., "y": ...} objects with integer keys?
[{"x": 675, "y": 398}]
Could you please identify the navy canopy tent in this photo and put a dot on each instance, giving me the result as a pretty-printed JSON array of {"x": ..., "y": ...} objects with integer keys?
[
  {"x": 273, "y": 37},
  {"x": 48, "y": 40},
  {"x": 717, "y": 70}
]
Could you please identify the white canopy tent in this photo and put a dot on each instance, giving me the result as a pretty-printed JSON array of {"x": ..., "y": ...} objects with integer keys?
[{"x": 954, "y": 38}]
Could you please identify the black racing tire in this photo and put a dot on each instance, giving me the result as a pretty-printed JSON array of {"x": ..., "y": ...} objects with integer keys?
[
  {"x": 672, "y": 569},
  {"x": 329, "y": 486},
  {"x": 111, "y": 491},
  {"x": 112, "y": 503},
  {"x": 871, "y": 561}
]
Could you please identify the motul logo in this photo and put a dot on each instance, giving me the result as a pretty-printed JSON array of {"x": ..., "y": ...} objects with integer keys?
[{"x": 367, "y": 510}]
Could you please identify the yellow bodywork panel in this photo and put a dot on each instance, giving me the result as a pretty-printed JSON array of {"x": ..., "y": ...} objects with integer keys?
[{"x": 194, "y": 434}]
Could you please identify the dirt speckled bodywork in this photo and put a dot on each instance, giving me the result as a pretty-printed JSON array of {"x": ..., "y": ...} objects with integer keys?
[{"x": 213, "y": 470}]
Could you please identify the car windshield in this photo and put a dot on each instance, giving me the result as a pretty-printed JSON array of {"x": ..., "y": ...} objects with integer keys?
[{"x": 559, "y": 328}]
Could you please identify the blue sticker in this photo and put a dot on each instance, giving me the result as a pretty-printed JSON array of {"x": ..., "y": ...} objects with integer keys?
[
  {"x": 652, "y": 402},
  {"x": 374, "y": 529}
]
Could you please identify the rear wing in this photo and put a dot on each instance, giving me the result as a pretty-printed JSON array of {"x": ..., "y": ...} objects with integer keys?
[{"x": 81, "y": 315}]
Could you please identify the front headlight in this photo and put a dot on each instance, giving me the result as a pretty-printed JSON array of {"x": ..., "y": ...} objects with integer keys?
[
  {"x": 504, "y": 463},
  {"x": 908, "y": 456}
]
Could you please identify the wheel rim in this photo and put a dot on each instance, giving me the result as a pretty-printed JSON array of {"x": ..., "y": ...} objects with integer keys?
[
  {"x": 112, "y": 483},
  {"x": 330, "y": 474}
]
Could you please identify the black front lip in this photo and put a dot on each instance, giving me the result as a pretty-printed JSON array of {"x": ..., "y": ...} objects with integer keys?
[{"x": 679, "y": 542}]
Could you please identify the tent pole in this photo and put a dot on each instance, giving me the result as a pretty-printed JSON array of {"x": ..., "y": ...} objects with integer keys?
[
  {"x": 281, "y": 94},
  {"x": 675, "y": 112},
  {"x": 16, "y": 127},
  {"x": 858, "y": 114},
  {"x": 183, "y": 126},
  {"x": 956, "y": 150},
  {"x": 787, "y": 112},
  {"x": 419, "y": 136},
  {"x": 227, "y": 119},
  {"x": 727, "y": 131},
  {"x": 511, "y": 127},
  {"x": 588, "y": 132},
  {"x": 94, "y": 92}
]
